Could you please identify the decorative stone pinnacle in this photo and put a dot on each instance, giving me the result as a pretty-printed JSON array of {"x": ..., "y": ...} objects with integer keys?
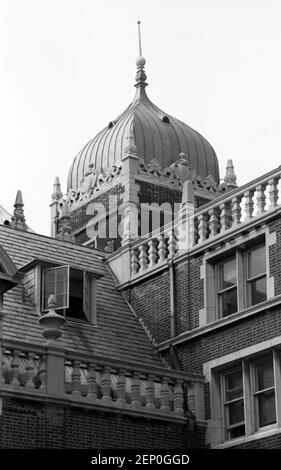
[
  {"x": 131, "y": 146},
  {"x": 57, "y": 194},
  {"x": 65, "y": 228},
  {"x": 51, "y": 322},
  {"x": 230, "y": 176},
  {"x": 18, "y": 219}
]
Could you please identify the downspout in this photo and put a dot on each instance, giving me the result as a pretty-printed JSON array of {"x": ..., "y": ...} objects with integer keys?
[{"x": 172, "y": 298}]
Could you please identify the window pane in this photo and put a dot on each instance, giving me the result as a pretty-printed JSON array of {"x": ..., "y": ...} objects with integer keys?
[
  {"x": 228, "y": 301},
  {"x": 236, "y": 412},
  {"x": 257, "y": 291},
  {"x": 56, "y": 283},
  {"x": 61, "y": 300},
  {"x": 266, "y": 407},
  {"x": 256, "y": 262},
  {"x": 49, "y": 276},
  {"x": 62, "y": 274},
  {"x": 236, "y": 432},
  {"x": 264, "y": 375},
  {"x": 228, "y": 274},
  {"x": 233, "y": 385}
]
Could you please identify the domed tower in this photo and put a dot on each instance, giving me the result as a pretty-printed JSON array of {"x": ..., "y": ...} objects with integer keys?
[{"x": 142, "y": 157}]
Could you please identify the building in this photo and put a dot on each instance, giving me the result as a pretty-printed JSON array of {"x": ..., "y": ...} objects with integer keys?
[{"x": 151, "y": 316}]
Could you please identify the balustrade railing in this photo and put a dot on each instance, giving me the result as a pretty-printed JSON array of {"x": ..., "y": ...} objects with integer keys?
[
  {"x": 126, "y": 388},
  {"x": 23, "y": 369},
  {"x": 162, "y": 392},
  {"x": 229, "y": 211}
]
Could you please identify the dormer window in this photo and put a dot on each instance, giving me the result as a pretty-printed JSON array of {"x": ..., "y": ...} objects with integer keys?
[{"x": 74, "y": 290}]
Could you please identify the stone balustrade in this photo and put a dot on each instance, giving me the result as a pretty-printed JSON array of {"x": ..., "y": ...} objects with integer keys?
[
  {"x": 152, "y": 252},
  {"x": 23, "y": 370},
  {"x": 36, "y": 370},
  {"x": 240, "y": 206},
  {"x": 232, "y": 210},
  {"x": 127, "y": 388}
]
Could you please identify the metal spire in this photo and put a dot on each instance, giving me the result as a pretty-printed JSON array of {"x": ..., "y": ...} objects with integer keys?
[
  {"x": 141, "y": 75},
  {"x": 140, "y": 53}
]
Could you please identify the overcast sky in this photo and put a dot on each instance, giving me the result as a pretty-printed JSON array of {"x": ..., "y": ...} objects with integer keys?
[{"x": 68, "y": 68}]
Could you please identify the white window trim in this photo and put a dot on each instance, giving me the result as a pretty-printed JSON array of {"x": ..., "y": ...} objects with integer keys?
[
  {"x": 209, "y": 313},
  {"x": 213, "y": 371}
]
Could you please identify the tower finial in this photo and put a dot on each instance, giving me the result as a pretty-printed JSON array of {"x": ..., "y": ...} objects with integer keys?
[
  {"x": 141, "y": 75},
  {"x": 140, "y": 53}
]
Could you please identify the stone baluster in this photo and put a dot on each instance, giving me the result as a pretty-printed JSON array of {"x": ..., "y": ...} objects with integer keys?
[
  {"x": 76, "y": 380},
  {"x": 121, "y": 387},
  {"x": 273, "y": 193},
  {"x": 249, "y": 203},
  {"x": 172, "y": 244},
  {"x": 106, "y": 385},
  {"x": 92, "y": 384},
  {"x": 214, "y": 224},
  {"x": 164, "y": 394},
  {"x": 195, "y": 231},
  {"x": 143, "y": 257},
  {"x": 202, "y": 227},
  {"x": 134, "y": 261},
  {"x": 162, "y": 248},
  {"x": 15, "y": 368},
  {"x": 191, "y": 397},
  {"x": 135, "y": 390},
  {"x": 261, "y": 198},
  {"x": 236, "y": 210},
  {"x": 225, "y": 217},
  {"x": 30, "y": 368},
  {"x": 178, "y": 397},
  {"x": 152, "y": 252},
  {"x": 149, "y": 391},
  {"x": 42, "y": 374}
]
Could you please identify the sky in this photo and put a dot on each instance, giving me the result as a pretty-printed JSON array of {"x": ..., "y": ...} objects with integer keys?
[{"x": 68, "y": 69}]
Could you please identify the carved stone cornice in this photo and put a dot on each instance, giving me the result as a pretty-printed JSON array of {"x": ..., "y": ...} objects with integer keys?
[
  {"x": 93, "y": 182},
  {"x": 177, "y": 173}
]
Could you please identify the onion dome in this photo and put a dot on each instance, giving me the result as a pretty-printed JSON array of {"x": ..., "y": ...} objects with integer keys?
[{"x": 157, "y": 135}]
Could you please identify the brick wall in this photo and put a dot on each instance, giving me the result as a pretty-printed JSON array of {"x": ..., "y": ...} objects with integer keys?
[
  {"x": 151, "y": 301},
  {"x": 79, "y": 218},
  {"x": 270, "y": 442},
  {"x": 34, "y": 425},
  {"x": 262, "y": 327}
]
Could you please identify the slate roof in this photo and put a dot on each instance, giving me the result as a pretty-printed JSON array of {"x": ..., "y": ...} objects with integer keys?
[
  {"x": 119, "y": 335},
  {"x": 157, "y": 135}
]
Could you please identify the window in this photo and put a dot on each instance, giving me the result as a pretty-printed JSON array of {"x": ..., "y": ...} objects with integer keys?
[
  {"x": 74, "y": 290},
  {"x": 241, "y": 280},
  {"x": 264, "y": 393},
  {"x": 248, "y": 395},
  {"x": 256, "y": 275},
  {"x": 227, "y": 294},
  {"x": 234, "y": 404}
]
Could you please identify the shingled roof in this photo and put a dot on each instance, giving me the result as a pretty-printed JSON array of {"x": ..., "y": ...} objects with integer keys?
[{"x": 119, "y": 334}]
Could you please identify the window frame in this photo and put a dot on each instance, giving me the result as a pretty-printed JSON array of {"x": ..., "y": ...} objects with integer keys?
[
  {"x": 241, "y": 256},
  {"x": 227, "y": 403},
  {"x": 89, "y": 293},
  {"x": 44, "y": 308},
  {"x": 248, "y": 365}
]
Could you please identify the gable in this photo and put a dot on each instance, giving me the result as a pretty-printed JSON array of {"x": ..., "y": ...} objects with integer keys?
[
  {"x": 6, "y": 264},
  {"x": 8, "y": 272}
]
